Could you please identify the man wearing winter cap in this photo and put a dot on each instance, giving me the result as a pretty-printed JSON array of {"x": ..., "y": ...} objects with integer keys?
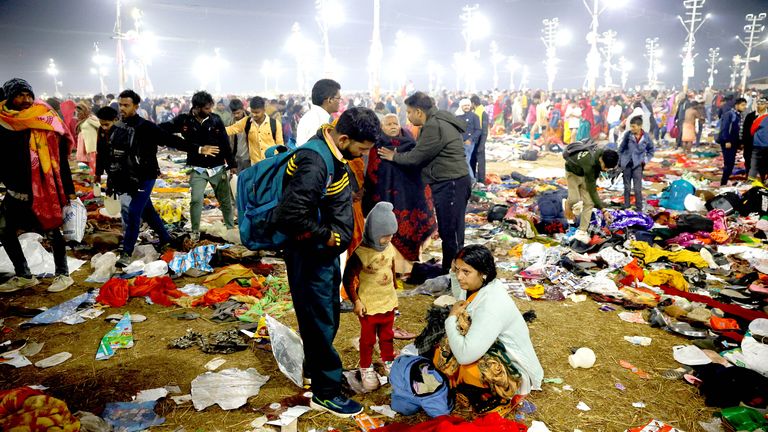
[{"x": 35, "y": 172}]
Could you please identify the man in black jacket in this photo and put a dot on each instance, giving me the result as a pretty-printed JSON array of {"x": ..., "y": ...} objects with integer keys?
[
  {"x": 439, "y": 152},
  {"x": 35, "y": 171},
  {"x": 315, "y": 213},
  {"x": 146, "y": 137},
  {"x": 201, "y": 126}
]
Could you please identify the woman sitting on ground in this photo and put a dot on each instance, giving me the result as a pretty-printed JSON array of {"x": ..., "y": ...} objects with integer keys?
[{"x": 487, "y": 352}]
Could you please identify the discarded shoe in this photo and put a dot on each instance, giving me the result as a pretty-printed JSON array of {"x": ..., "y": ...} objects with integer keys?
[{"x": 369, "y": 379}]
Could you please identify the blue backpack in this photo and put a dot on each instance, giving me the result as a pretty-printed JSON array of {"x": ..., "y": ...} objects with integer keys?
[
  {"x": 259, "y": 191},
  {"x": 406, "y": 370},
  {"x": 673, "y": 197}
]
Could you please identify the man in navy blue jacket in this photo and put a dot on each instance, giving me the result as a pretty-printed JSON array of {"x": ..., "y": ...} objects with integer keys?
[{"x": 729, "y": 140}]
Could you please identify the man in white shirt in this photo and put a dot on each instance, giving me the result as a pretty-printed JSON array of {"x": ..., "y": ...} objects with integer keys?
[
  {"x": 614, "y": 118},
  {"x": 326, "y": 95}
]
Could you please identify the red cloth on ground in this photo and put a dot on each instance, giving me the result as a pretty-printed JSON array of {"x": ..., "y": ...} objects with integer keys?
[
  {"x": 218, "y": 295},
  {"x": 116, "y": 292},
  {"x": 738, "y": 311},
  {"x": 491, "y": 423}
]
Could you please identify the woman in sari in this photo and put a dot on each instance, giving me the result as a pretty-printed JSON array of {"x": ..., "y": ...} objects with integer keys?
[
  {"x": 403, "y": 187},
  {"x": 487, "y": 353}
]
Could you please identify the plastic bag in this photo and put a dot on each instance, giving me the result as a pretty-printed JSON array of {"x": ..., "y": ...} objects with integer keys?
[
  {"x": 230, "y": 388},
  {"x": 287, "y": 349},
  {"x": 156, "y": 268},
  {"x": 75, "y": 216},
  {"x": 103, "y": 266}
]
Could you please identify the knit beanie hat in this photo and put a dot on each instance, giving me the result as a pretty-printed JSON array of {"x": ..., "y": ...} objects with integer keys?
[
  {"x": 380, "y": 222},
  {"x": 14, "y": 86}
]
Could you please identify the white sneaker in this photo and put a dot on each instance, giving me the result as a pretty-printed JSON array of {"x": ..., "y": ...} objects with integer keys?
[
  {"x": 60, "y": 283},
  {"x": 17, "y": 283},
  {"x": 582, "y": 237},
  {"x": 369, "y": 379}
]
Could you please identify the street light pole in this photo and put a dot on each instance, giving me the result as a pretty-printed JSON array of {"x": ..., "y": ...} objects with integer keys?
[
  {"x": 609, "y": 46},
  {"x": 466, "y": 17},
  {"x": 624, "y": 67},
  {"x": 496, "y": 58},
  {"x": 652, "y": 54},
  {"x": 550, "y": 30},
  {"x": 120, "y": 53},
  {"x": 735, "y": 62},
  {"x": 54, "y": 72},
  {"x": 593, "y": 57},
  {"x": 712, "y": 60},
  {"x": 754, "y": 29},
  {"x": 692, "y": 23},
  {"x": 377, "y": 53}
]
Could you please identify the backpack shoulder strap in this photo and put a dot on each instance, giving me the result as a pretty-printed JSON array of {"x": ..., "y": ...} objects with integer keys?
[
  {"x": 273, "y": 126},
  {"x": 247, "y": 127},
  {"x": 321, "y": 148}
]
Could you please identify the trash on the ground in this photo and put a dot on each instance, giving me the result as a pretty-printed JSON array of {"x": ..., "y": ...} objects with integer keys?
[
  {"x": 633, "y": 317},
  {"x": 132, "y": 416},
  {"x": 567, "y": 387},
  {"x": 289, "y": 415},
  {"x": 578, "y": 298},
  {"x": 229, "y": 388},
  {"x": 54, "y": 360},
  {"x": 40, "y": 261},
  {"x": 638, "y": 340},
  {"x": 366, "y": 423},
  {"x": 194, "y": 290},
  {"x": 654, "y": 426},
  {"x": 179, "y": 400},
  {"x": 581, "y": 406},
  {"x": 198, "y": 258},
  {"x": 15, "y": 359},
  {"x": 215, "y": 363},
  {"x": 119, "y": 337},
  {"x": 66, "y": 312},
  {"x": 90, "y": 422},
  {"x": 634, "y": 369},
  {"x": 638, "y": 404},
  {"x": 715, "y": 424},
  {"x": 151, "y": 394},
  {"x": 620, "y": 386},
  {"x": 221, "y": 342},
  {"x": 135, "y": 318},
  {"x": 690, "y": 355},
  {"x": 553, "y": 380},
  {"x": 384, "y": 410},
  {"x": 288, "y": 350},
  {"x": 583, "y": 358},
  {"x": 537, "y": 426},
  {"x": 103, "y": 266}
]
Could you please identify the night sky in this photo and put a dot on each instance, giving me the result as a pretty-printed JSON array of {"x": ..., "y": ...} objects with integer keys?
[{"x": 249, "y": 31}]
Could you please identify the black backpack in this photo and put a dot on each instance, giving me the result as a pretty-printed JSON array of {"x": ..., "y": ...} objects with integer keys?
[
  {"x": 497, "y": 212},
  {"x": 272, "y": 125},
  {"x": 692, "y": 223},
  {"x": 123, "y": 165},
  {"x": 755, "y": 200},
  {"x": 729, "y": 202},
  {"x": 579, "y": 146},
  {"x": 550, "y": 206}
]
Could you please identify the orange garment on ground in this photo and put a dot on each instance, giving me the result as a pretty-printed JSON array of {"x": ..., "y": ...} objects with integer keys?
[
  {"x": 357, "y": 166},
  {"x": 218, "y": 295},
  {"x": 116, "y": 292},
  {"x": 26, "y": 409}
]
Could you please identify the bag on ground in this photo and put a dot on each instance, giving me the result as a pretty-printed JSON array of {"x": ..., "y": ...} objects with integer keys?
[
  {"x": 75, "y": 216},
  {"x": 405, "y": 376}
]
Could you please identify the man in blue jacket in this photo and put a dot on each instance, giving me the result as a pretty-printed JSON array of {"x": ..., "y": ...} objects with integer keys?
[
  {"x": 758, "y": 131},
  {"x": 729, "y": 141},
  {"x": 635, "y": 151},
  {"x": 472, "y": 133}
]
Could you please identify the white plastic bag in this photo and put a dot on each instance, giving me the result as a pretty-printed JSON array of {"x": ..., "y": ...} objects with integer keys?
[
  {"x": 103, "y": 267},
  {"x": 230, "y": 388},
  {"x": 75, "y": 216},
  {"x": 288, "y": 350}
]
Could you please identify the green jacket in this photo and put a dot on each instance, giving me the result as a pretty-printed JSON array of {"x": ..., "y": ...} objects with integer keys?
[
  {"x": 439, "y": 149},
  {"x": 587, "y": 165}
]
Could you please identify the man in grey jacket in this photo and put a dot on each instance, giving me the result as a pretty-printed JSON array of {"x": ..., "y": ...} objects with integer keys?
[{"x": 439, "y": 152}]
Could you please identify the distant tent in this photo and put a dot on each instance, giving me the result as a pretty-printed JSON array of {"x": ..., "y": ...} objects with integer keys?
[{"x": 759, "y": 83}]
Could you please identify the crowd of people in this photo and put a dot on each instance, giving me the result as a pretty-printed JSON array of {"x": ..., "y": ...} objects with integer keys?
[{"x": 371, "y": 180}]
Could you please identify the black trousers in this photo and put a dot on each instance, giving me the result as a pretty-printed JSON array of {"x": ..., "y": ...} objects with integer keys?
[
  {"x": 18, "y": 215},
  {"x": 450, "y": 198},
  {"x": 477, "y": 161},
  {"x": 314, "y": 279},
  {"x": 729, "y": 161}
]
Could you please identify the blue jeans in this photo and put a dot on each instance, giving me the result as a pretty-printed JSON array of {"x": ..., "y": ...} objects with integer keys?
[
  {"x": 468, "y": 149},
  {"x": 140, "y": 208}
]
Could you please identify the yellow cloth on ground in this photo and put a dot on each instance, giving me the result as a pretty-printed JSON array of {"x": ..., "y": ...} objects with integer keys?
[
  {"x": 649, "y": 254},
  {"x": 672, "y": 278}
]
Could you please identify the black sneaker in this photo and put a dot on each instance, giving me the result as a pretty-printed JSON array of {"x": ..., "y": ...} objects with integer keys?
[{"x": 338, "y": 406}]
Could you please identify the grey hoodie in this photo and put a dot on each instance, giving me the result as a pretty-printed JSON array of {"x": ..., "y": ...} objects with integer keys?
[{"x": 439, "y": 149}]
